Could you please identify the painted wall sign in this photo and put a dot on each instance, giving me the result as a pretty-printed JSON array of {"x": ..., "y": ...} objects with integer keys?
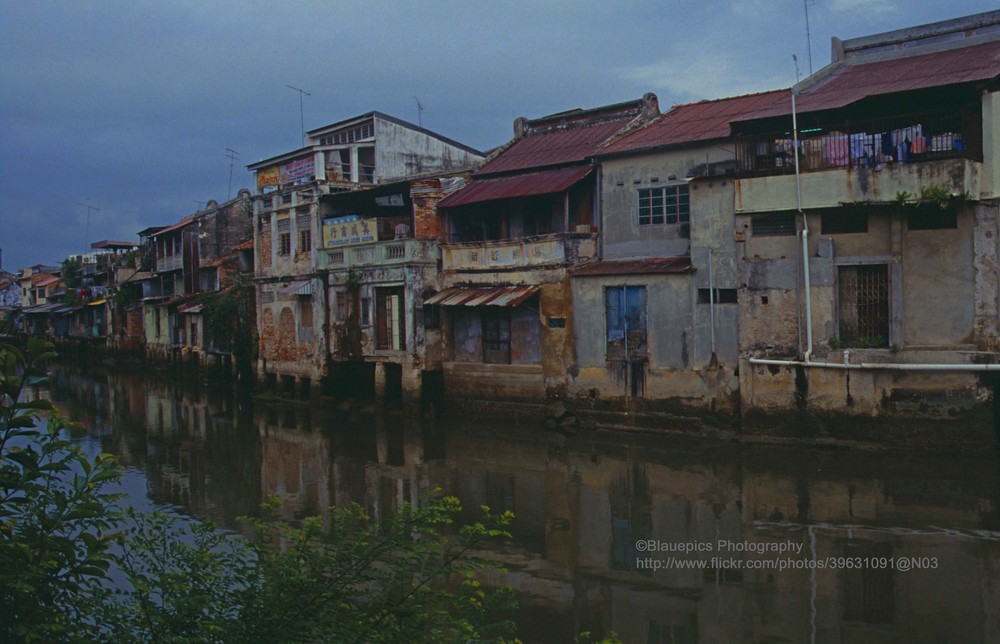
[{"x": 348, "y": 233}]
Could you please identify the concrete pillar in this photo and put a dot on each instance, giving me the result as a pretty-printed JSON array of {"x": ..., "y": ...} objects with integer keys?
[
  {"x": 379, "y": 379},
  {"x": 412, "y": 382}
]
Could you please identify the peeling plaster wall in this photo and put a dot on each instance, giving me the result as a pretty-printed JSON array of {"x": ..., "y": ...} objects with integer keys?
[
  {"x": 938, "y": 285},
  {"x": 403, "y": 152},
  {"x": 986, "y": 264}
]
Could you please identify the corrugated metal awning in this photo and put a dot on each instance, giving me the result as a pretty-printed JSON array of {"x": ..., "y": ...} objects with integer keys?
[
  {"x": 651, "y": 265},
  {"x": 43, "y": 308},
  {"x": 519, "y": 185},
  {"x": 486, "y": 296},
  {"x": 190, "y": 308},
  {"x": 301, "y": 287}
]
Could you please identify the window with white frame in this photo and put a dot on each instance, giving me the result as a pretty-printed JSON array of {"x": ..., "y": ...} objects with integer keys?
[{"x": 664, "y": 205}]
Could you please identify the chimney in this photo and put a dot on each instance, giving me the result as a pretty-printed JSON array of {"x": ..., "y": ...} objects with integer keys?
[{"x": 520, "y": 126}]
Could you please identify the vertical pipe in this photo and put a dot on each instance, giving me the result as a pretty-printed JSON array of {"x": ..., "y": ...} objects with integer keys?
[
  {"x": 805, "y": 231},
  {"x": 711, "y": 299}
]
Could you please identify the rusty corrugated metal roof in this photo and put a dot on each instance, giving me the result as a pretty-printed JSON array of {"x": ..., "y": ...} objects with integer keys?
[
  {"x": 635, "y": 266},
  {"x": 190, "y": 307},
  {"x": 180, "y": 224},
  {"x": 694, "y": 122},
  {"x": 483, "y": 296},
  {"x": 518, "y": 185},
  {"x": 537, "y": 150},
  {"x": 852, "y": 82}
]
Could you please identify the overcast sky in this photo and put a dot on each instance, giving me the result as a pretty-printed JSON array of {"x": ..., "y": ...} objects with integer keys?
[{"x": 130, "y": 106}]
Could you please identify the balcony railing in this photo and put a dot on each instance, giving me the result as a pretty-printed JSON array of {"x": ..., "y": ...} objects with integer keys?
[
  {"x": 170, "y": 263},
  {"x": 872, "y": 143},
  {"x": 342, "y": 172},
  {"x": 558, "y": 249},
  {"x": 383, "y": 253}
]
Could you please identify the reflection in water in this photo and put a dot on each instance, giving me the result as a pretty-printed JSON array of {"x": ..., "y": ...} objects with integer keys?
[{"x": 658, "y": 538}]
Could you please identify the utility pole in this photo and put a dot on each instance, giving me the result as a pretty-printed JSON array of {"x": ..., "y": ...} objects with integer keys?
[
  {"x": 232, "y": 155},
  {"x": 86, "y": 240},
  {"x": 420, "y": 112},
  {"x": 302, "y": 119}
]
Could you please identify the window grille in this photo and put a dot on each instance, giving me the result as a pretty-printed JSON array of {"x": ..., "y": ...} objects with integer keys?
[
  {"x": 773, "y": 224},
  {"x": 864, "y": 305}
]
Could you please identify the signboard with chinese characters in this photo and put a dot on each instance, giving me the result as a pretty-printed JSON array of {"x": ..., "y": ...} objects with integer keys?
[{"x": 348, "y": 230}]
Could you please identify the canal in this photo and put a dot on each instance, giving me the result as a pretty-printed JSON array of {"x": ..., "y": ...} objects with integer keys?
[{"x": 659, "y": 538}]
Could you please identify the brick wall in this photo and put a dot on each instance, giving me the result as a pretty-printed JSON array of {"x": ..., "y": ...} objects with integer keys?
[
  {"x": 264, "y": 259},
  {"x": 427, "y": 222}
]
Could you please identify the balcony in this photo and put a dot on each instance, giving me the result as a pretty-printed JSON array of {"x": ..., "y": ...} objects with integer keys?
[
  {"x": 544, "y": 251},
  {"x": 864, "y": 144},
  {"x": 169, "y": 263},
  {"x": 838, "y": 186},
  {"x": 382, "y": 253},
  {"x": 341, "y": 172}
]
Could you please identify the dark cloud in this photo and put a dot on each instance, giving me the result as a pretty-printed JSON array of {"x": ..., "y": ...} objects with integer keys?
[{"x": 132, "y": 104}]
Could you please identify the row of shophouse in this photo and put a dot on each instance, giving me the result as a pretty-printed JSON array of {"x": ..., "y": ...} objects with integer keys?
[{"x": 830, "y": 246}]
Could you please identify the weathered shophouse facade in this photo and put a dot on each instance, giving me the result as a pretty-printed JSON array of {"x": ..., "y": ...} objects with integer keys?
[
  {"x": 527, "y": 218},
  {"x": 378, "y": 262},
  {"x": 655, "y": 320},
  {"x": 304, "y": 255},
  {"x": 186, "y": 260},
  {"x": 898, "y": 178}
]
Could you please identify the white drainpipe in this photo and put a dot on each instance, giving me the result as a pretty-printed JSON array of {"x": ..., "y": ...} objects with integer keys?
[
  {"x": 805, "y": 233},
  {"x": 888, "y": 366}
]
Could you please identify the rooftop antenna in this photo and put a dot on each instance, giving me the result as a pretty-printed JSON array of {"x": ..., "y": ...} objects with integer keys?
[
  {"x": 302, "y": 120},
  {"x": 805, "y": 4},
  {"x": 232, "y": 155},
  {"x": 86, "y": 240},
  {"x": 420, "y": 111}
]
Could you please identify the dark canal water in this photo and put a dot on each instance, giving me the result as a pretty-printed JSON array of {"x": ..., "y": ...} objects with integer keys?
[{"x": 658, "y": 538}]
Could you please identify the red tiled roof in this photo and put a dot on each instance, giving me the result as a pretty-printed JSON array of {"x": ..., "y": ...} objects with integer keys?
[
  {"x": 518, "y": 185},
  {"x": 635, "y": 266},
  {"x": 553, "y": 148},
  {"x": 694, "y": 122},
  {"x": 852, "y": 82}
]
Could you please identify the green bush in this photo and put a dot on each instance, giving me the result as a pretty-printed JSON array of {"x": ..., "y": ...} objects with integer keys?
[{"x": 73, "y": 565}]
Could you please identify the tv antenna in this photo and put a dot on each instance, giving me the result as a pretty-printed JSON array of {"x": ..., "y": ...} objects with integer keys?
[
  {"x": 302, "y": 120},
  {"x": 232, "y": 155},
  {"x": 420, "y": 111},
  {"x": 805, "y": 4},
  {"x": 86, "y": 240}
]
